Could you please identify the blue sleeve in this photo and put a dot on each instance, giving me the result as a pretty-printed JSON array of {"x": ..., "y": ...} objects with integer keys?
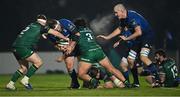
[{"x": 134, "y": 23}]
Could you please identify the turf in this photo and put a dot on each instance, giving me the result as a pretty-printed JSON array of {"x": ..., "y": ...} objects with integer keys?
[{"x": 56, "y": 85}]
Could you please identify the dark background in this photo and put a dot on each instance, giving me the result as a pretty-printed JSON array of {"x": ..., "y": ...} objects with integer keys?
[{"x": 163, "y": 15}]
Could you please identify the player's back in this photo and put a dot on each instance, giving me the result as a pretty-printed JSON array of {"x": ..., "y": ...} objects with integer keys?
[
  {"x": 29, "y": 36},
  {"x": 170, "y": 70},
  {"x": 87, "y": 40}
]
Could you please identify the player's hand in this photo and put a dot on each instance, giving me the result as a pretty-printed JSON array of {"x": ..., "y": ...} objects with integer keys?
[
  {"x": 69, "y": 49},
  {"x": 61, "y": 48},
  {"x": 117, "y": 43},
  {"x": 123, "y": 38},
  {"x": 102, "y": 36},
  {"x": 60, "y": 59},
  {"x": 67, "y": 39}
]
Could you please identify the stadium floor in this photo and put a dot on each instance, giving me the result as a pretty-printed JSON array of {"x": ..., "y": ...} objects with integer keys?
[{"x": 56, "y": 85}]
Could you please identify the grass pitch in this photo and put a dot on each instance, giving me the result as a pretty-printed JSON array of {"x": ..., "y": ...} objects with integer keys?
[{"x": 56, "y": 85}]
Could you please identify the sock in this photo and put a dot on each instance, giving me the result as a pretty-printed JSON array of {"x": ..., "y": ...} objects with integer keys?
[
  {"x": 16, "y": 76},
  {"x": 127, "y": 84},
  {"x": 11, "y": 82},
  {"x": 135, "y": 75},
  {"x": 152, "y": 68},
  {"x": 73, "y": 76},
  {"x": 94, "y": 83},
  {"x": 126, "y": 75},
  {"x": 31, "y": 71}
]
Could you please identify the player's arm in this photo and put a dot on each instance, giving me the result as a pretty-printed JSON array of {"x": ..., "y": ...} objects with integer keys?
[
  {"x": 138, "y": 32},
  {"x": 116, "y": 32},
  {"x": 135, "y": 24},
  {"x": 72, "y": 43},
  {"x": 58, "y": 34}
]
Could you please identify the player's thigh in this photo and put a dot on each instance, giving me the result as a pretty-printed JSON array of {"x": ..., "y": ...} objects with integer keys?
[
  {"x": 106, "y": 63},
  {"x": 83, "y": 67},
  {"x": 35, "y": 59}
]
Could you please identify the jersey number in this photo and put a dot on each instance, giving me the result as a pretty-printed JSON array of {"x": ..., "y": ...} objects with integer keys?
[
  {"x": 174, "y": 71},
  {"x": 22, "y": 32},
  {"x": 89, "y": 36}
]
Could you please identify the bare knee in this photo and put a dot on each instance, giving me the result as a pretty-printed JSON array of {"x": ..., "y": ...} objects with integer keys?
[
  {"x": 23, "y": 69},
  {"x": 38, "y": 63},
  {"x": 69, "y": 66}
]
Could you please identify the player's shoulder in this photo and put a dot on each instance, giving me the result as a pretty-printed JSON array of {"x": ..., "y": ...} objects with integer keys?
[
  {"x": 171, "y": 60},
  {"x": 133, "y": 14}
]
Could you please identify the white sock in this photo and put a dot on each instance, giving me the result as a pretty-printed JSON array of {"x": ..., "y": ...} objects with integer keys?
[
  {"x": 11, "y": 82},
  {"x": 26, "y": 78}
]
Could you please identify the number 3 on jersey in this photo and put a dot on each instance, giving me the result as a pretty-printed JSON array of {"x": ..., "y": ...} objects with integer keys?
[{"x": 89, "y": 36}]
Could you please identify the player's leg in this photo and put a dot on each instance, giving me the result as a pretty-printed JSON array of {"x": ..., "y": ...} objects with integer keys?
[
  {"x": 36, "y": 64},
  {"x": 150, "y": 79},
  {"x": 131, "y": 60},
  {"x": 117, "y": 82},
  {"x": 150, "y": 65},
  {"x": 107, "y": 64},
  {"x": 134, "y": 72},
  {"x": 20, "y": 72},
  {"x": 124, "y": 66},
  {"x": 83, "y": 68},
  {"x": 69, "y": 61}
]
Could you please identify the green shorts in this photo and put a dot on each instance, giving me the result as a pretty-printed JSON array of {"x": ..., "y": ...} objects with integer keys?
[
  {"x": 22, "y": 52},
  {"x": 93, "y": 56}
]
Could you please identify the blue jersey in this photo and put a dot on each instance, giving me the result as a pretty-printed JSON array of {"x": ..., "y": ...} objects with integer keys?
[
  {"x": 130, "y": 43},
  {"x": 68, "y": 27},
  {"x": 133, "y": 20}
]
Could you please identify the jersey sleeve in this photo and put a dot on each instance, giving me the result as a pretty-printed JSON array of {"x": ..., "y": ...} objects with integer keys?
[{"x": 134, "y": 23}]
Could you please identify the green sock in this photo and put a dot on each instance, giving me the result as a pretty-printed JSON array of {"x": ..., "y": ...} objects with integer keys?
[
  {"x": 16, "y": 75},
  {"x": 31, "y": 70}
]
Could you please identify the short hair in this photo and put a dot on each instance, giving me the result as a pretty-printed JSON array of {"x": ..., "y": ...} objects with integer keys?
[
  {"x": 52, "y": 23},
  {"x": 161, "y": 52},
  {"x": 93, "y": 71},
  {"x": 119, "y": 7},
  {"x": 80, "y": 22},
  {"x": 41, "y": 16}
]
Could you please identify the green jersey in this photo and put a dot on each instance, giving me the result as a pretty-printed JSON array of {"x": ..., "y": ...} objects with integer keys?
[
  {"x": 89, "y": 50},
  {"x": 169, "y": 68},
  {"x": 29, "y": 36},
  {"x": 86, "y": 40}
]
